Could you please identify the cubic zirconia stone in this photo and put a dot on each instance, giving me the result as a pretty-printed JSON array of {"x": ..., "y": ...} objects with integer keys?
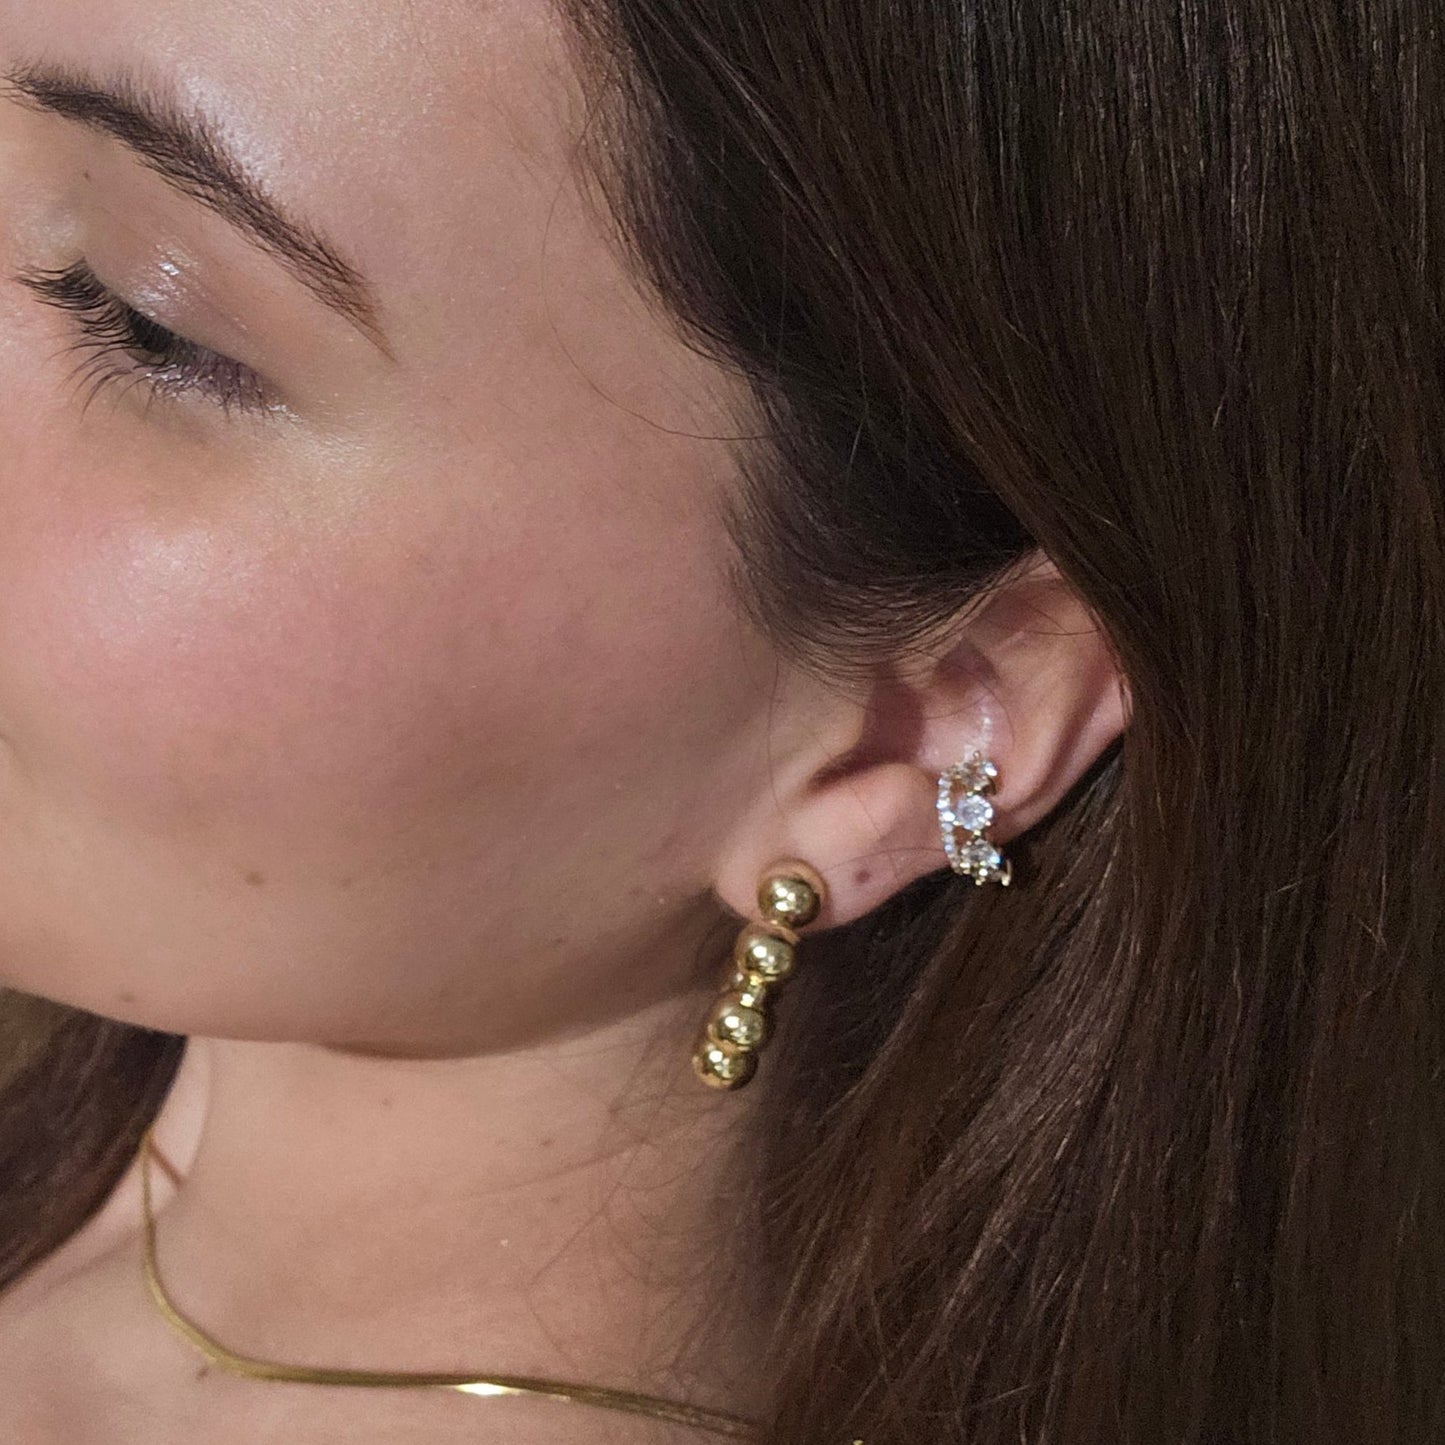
[{"x": 974, "y": 813}]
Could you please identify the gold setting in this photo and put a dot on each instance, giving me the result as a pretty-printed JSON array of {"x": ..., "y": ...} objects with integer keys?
[
  {"x": 966, "y": 818},
  {"x": 790, "y": 897}
]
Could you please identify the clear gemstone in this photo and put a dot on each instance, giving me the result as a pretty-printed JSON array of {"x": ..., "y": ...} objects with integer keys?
[
  {"x": 976, "y": 774},
  {"x": 974, "y": 813},
  {"x": 980, "y": 855}
]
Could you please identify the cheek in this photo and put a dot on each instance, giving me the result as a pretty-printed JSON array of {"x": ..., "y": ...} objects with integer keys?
[
  {"x": 158, "y": 671},
  {"x": 409, "y": 710},
  {"x": 306, "y": 676}
]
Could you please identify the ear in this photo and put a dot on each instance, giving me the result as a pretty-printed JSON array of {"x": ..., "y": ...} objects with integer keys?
[{"x": 1025, "y": 675}]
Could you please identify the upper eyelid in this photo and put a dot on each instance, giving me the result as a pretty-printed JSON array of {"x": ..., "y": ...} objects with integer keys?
[{"x": 78, "y": 291}]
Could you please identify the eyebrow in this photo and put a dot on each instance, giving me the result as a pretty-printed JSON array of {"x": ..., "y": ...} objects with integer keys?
[{"x": 185, "y": 149}]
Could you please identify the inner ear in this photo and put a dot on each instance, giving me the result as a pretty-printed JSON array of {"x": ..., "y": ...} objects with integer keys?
[
  {"x": 904, "y": 711},
  {"x": 1023, "y": 675}
]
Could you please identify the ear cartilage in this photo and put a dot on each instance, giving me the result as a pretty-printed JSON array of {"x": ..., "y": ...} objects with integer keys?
[{"x": 965, "y": 814}]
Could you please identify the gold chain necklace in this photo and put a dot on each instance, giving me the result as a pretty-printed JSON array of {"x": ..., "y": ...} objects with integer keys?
[{"x": 713, "y": 1421}]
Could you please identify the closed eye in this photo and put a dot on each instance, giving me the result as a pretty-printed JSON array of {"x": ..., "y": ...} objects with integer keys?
[{"x": 120, "y": 345}]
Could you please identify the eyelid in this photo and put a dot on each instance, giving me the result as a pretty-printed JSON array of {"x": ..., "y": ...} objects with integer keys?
[{"x": 119, "y": 342}]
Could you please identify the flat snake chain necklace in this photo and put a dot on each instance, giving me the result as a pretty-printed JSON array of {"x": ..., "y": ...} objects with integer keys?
[{"x": 713, "y": 1421}]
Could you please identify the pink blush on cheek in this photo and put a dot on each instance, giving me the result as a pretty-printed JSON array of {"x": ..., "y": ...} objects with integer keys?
[
  {"x": 234, "y": 673},
  {"x": 180, "y": 722},
  {"x": 167, "y": 676}
]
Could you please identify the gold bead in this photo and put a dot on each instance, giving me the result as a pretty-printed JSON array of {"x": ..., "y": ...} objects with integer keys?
[
  {"x": 736, "y": 1022},
  {"x": 723, "y": 1066},
  {"x": 791, "y": 898},
  {"x": 750, "y": 989},
  {"x": 764, "y": 954}
]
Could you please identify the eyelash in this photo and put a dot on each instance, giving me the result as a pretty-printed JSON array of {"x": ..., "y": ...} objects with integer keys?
[{"x": 120, "y": 345}]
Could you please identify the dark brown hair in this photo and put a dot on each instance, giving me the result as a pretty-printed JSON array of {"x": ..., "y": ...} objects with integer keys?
[{"x": 1151, "y": 1146}]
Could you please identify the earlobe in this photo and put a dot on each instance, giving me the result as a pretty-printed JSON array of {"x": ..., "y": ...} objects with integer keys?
[
  {"x": 856, "y": 829},
  {"x": 1029, "y": 681}
]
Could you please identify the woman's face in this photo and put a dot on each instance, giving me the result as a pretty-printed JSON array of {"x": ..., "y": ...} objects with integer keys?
[{"x": 368, "y": 669}]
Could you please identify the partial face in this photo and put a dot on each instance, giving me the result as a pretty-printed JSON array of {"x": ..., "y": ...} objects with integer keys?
[{"x": 368, "y": 670}]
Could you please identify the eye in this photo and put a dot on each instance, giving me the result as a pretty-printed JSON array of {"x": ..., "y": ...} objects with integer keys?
[{"x": 119, "y": 345}]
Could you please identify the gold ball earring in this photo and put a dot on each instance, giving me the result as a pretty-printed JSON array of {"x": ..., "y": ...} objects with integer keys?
[{"x": 790, "y": 897}]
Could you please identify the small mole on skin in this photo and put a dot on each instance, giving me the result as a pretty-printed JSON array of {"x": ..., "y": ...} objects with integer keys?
[
  {"x": 547, "y": 1143},
  {"x": 861, "y": 877},
  {"x": 255, "y": 877},
  {"x": 126, "y": 996}
]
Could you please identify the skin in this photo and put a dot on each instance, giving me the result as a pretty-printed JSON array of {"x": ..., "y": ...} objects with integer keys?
[{"x": 406, "y": 747}]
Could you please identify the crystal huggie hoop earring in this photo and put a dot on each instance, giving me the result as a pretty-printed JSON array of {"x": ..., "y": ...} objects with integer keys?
[
  {"x": 968, "y": 819},
  {"x": 790, "y": 897}
]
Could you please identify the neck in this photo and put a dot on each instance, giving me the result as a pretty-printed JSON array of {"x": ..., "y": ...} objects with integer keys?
[{"x": 573, "y": 1210}]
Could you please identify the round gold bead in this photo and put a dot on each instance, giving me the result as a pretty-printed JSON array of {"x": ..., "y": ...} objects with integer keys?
[
  {"x": 790, "y": 899},
  {"x": 724, "y": 1065},
  {"x": 750, "y": 990},
  {"x": 764, "y": 955},
  {"x": 736, "y": 1022}
]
